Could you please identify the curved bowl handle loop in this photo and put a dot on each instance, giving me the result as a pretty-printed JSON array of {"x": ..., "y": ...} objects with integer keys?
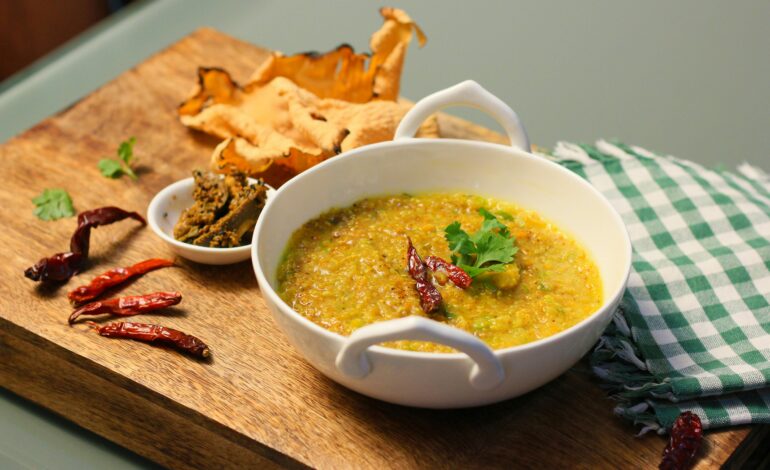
[
  {"x": 467, "y": 93},
  {"x": 352, "y": 360}
]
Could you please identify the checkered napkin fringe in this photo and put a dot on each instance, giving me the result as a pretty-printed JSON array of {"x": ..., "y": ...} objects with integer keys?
[{"x": 693, "y": 328}]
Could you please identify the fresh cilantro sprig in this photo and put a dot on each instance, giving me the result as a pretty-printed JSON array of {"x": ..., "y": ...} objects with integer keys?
[
  {"x": 489, "y": 249},
  {"x": 53, "y": 204},
  {"x": 115, "y": 168}
]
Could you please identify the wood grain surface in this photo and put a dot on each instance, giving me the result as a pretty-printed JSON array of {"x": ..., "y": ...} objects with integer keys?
[{"x": 258, "y": 403}]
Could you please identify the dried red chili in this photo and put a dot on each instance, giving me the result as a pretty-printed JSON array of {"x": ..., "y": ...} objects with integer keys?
[
  {"x": 430, "y": 297},
  {"x": 458, "y": 277},
  {"x": 58, "y": 267},
  {"x": 130, "y": 305},
  {"x": 154, "y": 334},
  {"x": 115, "y": 277},
  {"x": 686, "y": 437},
  {"x": 63, "y": 266}
]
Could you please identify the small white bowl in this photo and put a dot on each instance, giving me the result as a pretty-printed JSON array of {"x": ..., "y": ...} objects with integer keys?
[{"x": 166, "y": 208}]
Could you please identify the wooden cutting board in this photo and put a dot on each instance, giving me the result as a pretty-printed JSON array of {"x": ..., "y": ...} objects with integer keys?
[{"x": 258, "y": 402}]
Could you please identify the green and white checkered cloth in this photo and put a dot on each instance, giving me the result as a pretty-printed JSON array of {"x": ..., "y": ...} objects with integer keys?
[{"x": 693, "y": 329}]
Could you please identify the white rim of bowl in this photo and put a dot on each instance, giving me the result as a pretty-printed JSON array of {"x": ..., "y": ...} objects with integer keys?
[{"x": 267, "y": 289}]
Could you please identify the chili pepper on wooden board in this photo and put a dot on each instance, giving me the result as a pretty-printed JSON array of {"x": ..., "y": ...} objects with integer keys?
[
  {"x": 115, "y": 277},
  {"x": 62, "y": 266},
  {"x": 430, "y": 297},
  {"x": 81, "y": 239},
  {"x": 686, "y": 437},
  {"x": 148, "y": 333},
  {"x": 58, "y": 267},
  {"x": 458, "y": 277},
  {"x": 129, "y": 305}
]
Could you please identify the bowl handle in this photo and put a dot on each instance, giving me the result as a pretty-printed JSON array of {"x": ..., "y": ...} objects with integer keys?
[
  {"x": 467, "y": 93},
  {"x": 487, "y": 371}
]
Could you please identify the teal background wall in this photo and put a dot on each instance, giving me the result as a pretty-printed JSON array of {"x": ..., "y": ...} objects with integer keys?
[{"x": 690, "y": 78}]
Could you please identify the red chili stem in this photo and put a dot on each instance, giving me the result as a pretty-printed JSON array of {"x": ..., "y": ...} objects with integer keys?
[
  {"x": 686, "y": 438},
  {"x": 62, "y": 266},
  {"x": 458, "y": 277},
  {"x": 129, "y": 305},
  {"x": 430, "y": 297},
  {"x": 114, "y": 277},
  {"x": 155, "y": 334}
]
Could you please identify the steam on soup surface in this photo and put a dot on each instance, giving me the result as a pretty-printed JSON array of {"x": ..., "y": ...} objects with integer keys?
[{"x": 347, "y": 268}]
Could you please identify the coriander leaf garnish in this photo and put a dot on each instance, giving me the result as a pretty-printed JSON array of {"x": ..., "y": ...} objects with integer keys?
[
  {"x": 53, "y": 204},
  {"x": 126, "y": 150},
  {"x": 112, "y": 168},
  {"x": 459, "y": 241},
  {"x": 489, "y": 249}
]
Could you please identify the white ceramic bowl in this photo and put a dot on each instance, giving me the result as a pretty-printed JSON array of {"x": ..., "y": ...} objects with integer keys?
[
  {"x": 477, "y": 375},
  {"x": 166, "y": 208}
]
